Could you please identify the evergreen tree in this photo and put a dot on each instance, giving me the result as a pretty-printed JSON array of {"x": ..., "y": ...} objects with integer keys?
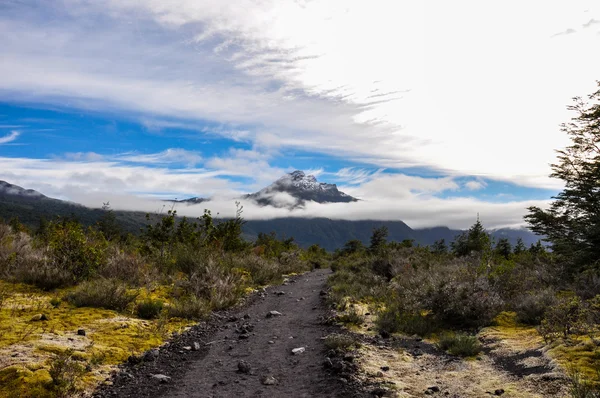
[
  {"x": 520, "y": 247},
  {"x": 503, "y": 248},
  {"x": 108, "y": 224},
  {"x": 473, "y": 240},
  {"x": 378, "y": 238},
  {"x": 572, "y": 223},
  {"x": 439, "y": 247}
]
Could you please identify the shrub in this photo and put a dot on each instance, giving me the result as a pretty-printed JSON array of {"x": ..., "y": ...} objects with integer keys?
[
  {"x": 189, "y": 307},
  {"x": 46, "y": 276},
  {"x": 340, "y": 342},
  {"x": 55, "y": 302},
  {"x": 74, "y": 251},
  {"x": 66, "y": 374},
  {"x": 563, "y": 318},
  {"x": 530, "y": 308},
  {"x": 394, "y": 319},
  {"x": 126, "y": 266},
  {"x": 103, "y": 293},
  {"x": 580, "y": 387},
  {"x": 149, "y": 308},
  {"x": 460, "y": 344},
  {"x": 351, "y": 317}
]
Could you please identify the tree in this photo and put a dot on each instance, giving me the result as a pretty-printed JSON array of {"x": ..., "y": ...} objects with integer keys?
[
  {"x": 439, "y": 247},
  {"x": 353, "y": 246},
  {"x": 520, "y": 247},
  {"x": 473, "y": 240},
  {"x": 572, "y": 223},
  {"x": 503, "y": 248},
  {"x": 108, "y": 224},
  {"x": 378, "y": 238}
]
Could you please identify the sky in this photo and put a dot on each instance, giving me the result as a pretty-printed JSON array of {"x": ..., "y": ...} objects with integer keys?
[{"x": 430, "y": 112}]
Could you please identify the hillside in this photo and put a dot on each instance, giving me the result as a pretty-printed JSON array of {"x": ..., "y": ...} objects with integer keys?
[{"x": 331, "y": 234}]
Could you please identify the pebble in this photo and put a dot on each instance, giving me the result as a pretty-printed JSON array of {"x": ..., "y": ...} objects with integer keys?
[
  {"x": 81, "y": 332},
  {"x": 268, "y": 380},
  {"x": 244, "y": 367},
  {"x": 271, "y": 314},
  {"x": 162, "y": 378},
  {"x": 298, "y": 351}
]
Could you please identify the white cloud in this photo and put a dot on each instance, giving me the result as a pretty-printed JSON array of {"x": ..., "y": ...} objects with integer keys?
[
  {"x": 10, "y": 137},
  {"x": 452, "y": 86},
  {"x": 475, "y": 185},
  {"x": 168, "y": 156}
]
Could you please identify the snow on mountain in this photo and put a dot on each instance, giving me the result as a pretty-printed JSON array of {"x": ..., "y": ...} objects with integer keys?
[{"x": 300, "y": 188}]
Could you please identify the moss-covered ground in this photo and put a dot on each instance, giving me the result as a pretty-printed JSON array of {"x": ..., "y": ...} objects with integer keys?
[{"x": 28, "y": 345}]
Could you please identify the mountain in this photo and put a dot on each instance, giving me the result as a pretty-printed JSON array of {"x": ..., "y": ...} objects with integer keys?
[
  {"x": 31, "y": 206},
  {"x": 295, "y": 189},
  {"x": 190, "y": 201},
  {"x": 16, "y": 192}
]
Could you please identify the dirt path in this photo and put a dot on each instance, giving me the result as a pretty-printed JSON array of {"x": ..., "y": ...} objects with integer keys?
[{"x": 264, "y": 344}]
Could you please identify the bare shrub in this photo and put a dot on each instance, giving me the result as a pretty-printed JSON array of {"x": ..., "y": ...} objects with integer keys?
[
  {"x": 220, "y": 286},
  {"x": 103, "y": 293},
  {"x": 531, "y": 307},
  {"x": 126, "y": 266}
]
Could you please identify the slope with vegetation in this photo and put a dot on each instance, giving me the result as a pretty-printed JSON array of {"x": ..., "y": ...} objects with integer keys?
[
  {"x": 76, "y": 301},
  {"x": 526, "y": 311}
]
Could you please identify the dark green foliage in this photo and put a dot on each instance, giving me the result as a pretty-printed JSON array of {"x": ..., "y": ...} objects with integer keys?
[
  {"x": 108, "y": 224},
  {"x": 519, "y": 247},
  {"x": 476, "y": 239},
  {"x": 439, "y": 247},
  {"x": 75, "y": 251},
  {"x": 572, "y": 224},
  {"x": 459, "y": 344},
  {"x": 503, "y": 248},
  {"x": 102, "y": 293},
  {"x": 378, "y": 239},
  {"x": 353, "y": 246},
  {"x": 149, "y": 308}
]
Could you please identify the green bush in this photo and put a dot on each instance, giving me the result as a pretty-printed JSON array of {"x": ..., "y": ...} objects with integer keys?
[
  {"x": 66, "y": 374},
  {"x": 189, "y": 307},
  {"x": 393, "y": 319},
  {"x": 580, "y": 387},
  {"x": 102, "y": 293},
  {"x": 149, "y": 308},
  {"x": 74, "y": 251},
  {"x": 459, "y": 344}
]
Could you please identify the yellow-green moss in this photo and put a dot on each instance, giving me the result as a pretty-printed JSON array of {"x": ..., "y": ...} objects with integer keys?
[{"x": 110, "y": 339}]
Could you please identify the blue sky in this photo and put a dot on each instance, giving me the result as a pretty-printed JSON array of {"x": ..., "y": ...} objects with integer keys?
[{"x": 430, "y": 113}]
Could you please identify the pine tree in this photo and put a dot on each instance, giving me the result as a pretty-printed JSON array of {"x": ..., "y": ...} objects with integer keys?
[
  {"x": 503, "y": 248},
  {"x": 520, "y": 247},
  {"x": 473, "y": 240},
  {"x": 572, "y": 223},
  {"x": 378, "y": 238}
]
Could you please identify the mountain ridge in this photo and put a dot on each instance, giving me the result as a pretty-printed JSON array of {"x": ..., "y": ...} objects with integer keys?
[{"x": 328, "y": 233}]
